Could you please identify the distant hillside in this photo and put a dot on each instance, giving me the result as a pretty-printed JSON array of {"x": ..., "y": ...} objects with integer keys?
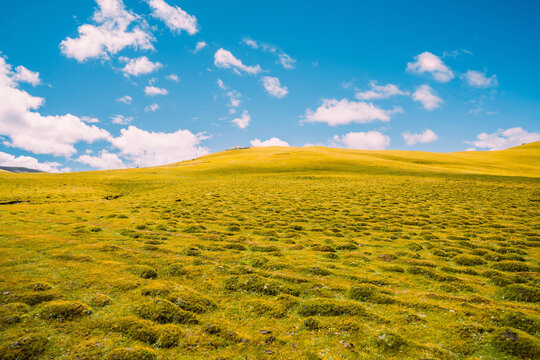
[{"x": 18, "y": 170}]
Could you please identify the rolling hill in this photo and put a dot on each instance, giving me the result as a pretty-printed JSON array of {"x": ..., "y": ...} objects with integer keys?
[{"x": 277, "y": 253}]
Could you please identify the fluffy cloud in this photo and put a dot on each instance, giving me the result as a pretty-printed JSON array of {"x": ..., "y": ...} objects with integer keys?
[
  {"x": 139, "y": 66},
  {"x": 371, "y": 140},
  {"x": 380, "y": 92},
  {"x": 121, "y": 119},
  {"x": 270, "y": 142},
  {"x": 146, "y": 148},
  {"x": 233, "y": 95},
  {"x": 425, "y": 137},
  {"x": 427, "y": 62},
  {"x": 125, "y": 99},
  {"x": 110, "y": 34},
  {"x": 504, "y": 139},
  {"x": 273, "y": 86},
  {"x": 22, "y": 74},
  {"x": 286, "y": 61},
  {"x": 27, "y": 162},
  {"x": 151, "y": 108},
  {"x": 173, "y": 77},
  {"x": 29, "y": 130},
  {"x": 225, "y": 59},
  {"x": 200, "y": 45},
  {"x": 105, "y": 161},
  {"x": 479, "y": 79},
  {"x": 341, "y": 112},
  {"x": 175, "y": 18},
  {"x": 425, "y": 95},
  {"x": 154, "y": 91},
  {"x": 243, "y": 121}
]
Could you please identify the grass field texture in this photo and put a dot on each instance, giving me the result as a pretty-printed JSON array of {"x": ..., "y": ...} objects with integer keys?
[{"x": 277, "y": 253}]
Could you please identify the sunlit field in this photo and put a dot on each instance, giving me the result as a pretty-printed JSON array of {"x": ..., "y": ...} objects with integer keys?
[{"x": 278, "y": 253}]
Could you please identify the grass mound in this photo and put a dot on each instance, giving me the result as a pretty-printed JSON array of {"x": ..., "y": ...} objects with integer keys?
[
  {"x": 28, "y": 347},
  {"x": 165, "y": 336},
  {"x": 164, "y": 311},
  {"x": 65, "y": 310},
  {"x": 517, "y": 343},
  {"x": 327, "y": 307},
  {"x": 134, "y": 353}
]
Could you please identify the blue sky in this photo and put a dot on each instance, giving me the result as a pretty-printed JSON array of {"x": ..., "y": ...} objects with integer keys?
[{"x": 111, "y": 83}]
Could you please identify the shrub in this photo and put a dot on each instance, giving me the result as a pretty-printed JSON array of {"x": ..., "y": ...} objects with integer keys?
[
  {"x": 164, "y": 311},
  {"x": 519, "y": 292},
  {"x": 469, "y": 260},
  {"x": 100, "y": 300},
  {"x": 28, "y": 347},
  {"x": 517, "y": 343},
  {"x": 134, "y": 353},
  {"x": 511, "y": 266},
  {"x": 65, "y": 310},
  {"x": 326, "y": 307}
]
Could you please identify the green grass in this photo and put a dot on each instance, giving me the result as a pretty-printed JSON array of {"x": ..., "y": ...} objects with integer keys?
[{"x": 308, "y": 253}]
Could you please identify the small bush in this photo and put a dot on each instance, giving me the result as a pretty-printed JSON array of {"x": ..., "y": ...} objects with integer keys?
[
  {"x": 326, "y": 307},
  {"x": 519, "y": 292},
  {"x": 517, "y": 343},
  {"x": 469, "y": 260},
  {"x": 164, "y": 311},
  {"x": 511, "y": 266},
  {"x": 134, "y": 353},
  {"x": 65, "y": 310},
  {"x": 28, "y": 347}
]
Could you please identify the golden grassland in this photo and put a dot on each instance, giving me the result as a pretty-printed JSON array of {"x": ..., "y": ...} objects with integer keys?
[{"x": 278, "y": 253}]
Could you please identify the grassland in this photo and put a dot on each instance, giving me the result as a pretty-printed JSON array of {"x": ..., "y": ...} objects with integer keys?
[{"x": 276, "y": 253}]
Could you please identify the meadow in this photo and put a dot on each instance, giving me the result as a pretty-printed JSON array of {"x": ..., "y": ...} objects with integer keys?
[{"x": 277, "y": 253}]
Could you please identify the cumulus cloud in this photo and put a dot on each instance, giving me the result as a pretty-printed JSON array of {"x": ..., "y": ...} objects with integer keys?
[
  {"x": 226, "y": 60},
  {"x": 22, "y": 74},
  {"x": 173, "y": 77},
  {"x": 139, "y": 66},
  {"x": 233, "y": 96},
  {"x": 504, "y": 139},
  {"x": 427, "y": 62},
  {"x": 105, "y": 161},
  {"x": 125, "y": 99},
  {"x": 270, "y": 142},
  {"x": 425, "y": 95},
  {"x": 273, "y": 86},
  {"x": 145, "y": 148},
  {"x": 154, "y": 91},
  {"x": 151, "y": 108},
  {"x": 243, "y": 121},
  {"x": 28, "y": 162},
  {"x": 479, "y": 79},
  {"x": 426, "y": 136},
  {"x": 174, "y": 17},
  {"x": 342, "y": 112},
  {"x": 380, "y": 92},
  {"x": 110, "y": 33},
  {"x": 29, "y": 130},
  {"x": 200, "y": 45},
  {"x": 371, "y": 140},
  {"x": 121, "y": 119}
]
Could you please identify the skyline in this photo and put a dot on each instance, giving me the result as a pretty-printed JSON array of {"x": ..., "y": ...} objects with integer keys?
[{"x": 109, "y": 84}]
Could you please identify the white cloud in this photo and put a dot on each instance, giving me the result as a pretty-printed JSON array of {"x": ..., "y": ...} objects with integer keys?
[
  {"x": 121, "y": 119},
  {"x": 174, "y": 17},
  {"x": 251, "y": 43},
  {"x": 427, "y": 62},
  {"x": 425, "y": 137},
  {"x": 504, "y": 139},
  {"x": 479, "y": 79},
  {"x": 285, "y": 60},
  {"x": 273, "y": 86},
  {"x": 225, "y": 59},
  {"x": 151, "y": 108},
  {"x": 173, "y": 77},
  {"x": 105, "y": 161},
  {"x": 456, "y": 53},
  {"x": 28, "y": 162},
  {"x": 154, "y": 91},
  {"x": 243, "y": 121},
  {"x": 89, "y": 119},
  {"x": 146, "y": 148},
  {"x": 29, "y": 130},
  {"x": 109, "y": 35},
  {"x": 341, "y": 112},
  {"x": 371, "y": 140},
  {"x": 200, "y": 45},
  {"x": 425, "y": 95},
  {"x": 380, "y": 92},
  {"x": 233, "y": 95},
  {"x": 125, "y": 99},
  {"x": 22, "y": 74},
  {"x": 139, "y": 66},
  {"x": 270, "y": 142}
]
